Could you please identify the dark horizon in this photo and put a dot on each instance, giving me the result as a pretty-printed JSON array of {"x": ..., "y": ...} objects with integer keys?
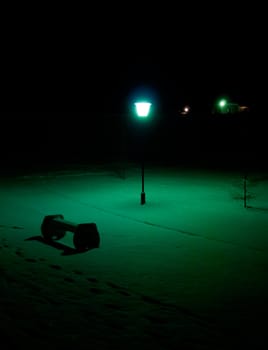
[{"x": 33, "y": 140}]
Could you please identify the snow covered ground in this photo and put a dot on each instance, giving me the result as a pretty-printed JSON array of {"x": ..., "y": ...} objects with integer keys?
[{"x": 187, "y": 270}]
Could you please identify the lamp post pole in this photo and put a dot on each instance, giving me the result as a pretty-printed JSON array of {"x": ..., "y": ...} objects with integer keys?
[
  {"x": 142, "y": 110},
  {"x": 142, "y": 181}
]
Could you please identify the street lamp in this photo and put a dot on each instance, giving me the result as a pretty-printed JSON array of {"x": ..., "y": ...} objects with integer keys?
[
  {"x": 222, "y": 105},
  {"x": 142, "y": 111}
]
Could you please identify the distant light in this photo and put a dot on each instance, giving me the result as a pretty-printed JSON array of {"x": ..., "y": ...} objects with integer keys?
[
  {"x": 243, "y": 108},
  {"x": 143, "y": 108},
  {"x": 224, "y": 106},
  {"x": 185, "y": 110},
  {"x": 222, "y": 103}
]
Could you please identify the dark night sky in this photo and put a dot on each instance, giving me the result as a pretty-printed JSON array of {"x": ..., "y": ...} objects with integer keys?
[
  {"x": 182, "y": 55},
  {"x": 89, "y": 64},
  {"x": 105, "y": 85}
]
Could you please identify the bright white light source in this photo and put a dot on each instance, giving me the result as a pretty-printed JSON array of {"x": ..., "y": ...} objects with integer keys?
[
  {"x": 185, "y": 110},
  {"x": 142, "y": 108}
]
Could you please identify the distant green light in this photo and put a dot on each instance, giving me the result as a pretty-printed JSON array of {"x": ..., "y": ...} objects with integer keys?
[
  {"x": 142, "y": 108},
  {"x": 222, "y": 103}
]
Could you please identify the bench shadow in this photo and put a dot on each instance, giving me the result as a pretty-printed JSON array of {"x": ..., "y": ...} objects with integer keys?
[{"x": 66, "y": 250}]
